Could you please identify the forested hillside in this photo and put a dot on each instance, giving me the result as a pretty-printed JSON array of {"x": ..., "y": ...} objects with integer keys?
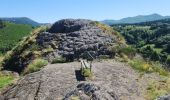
[
  {"x": 1, "y": 24},
  {"x": 11, "y": 34},
  {"x": 21, "y": 20},
  {"x": 152, "y": 39}
]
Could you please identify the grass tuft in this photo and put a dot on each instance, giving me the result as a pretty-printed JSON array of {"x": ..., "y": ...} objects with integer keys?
[
  {"x": 148, "y": 67},
  {"x": 5, "y": 80},
  {"x": 59, "y": 60},
  {"x": 36, "y": 65}
]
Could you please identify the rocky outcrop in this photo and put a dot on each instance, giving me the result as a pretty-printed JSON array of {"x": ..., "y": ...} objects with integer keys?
[
  {"x": 68, "y": 38},
  {"x": 166, "y": 97},
  {"x": 87, "y": 91},
  {"x": 73, "y": 38},
  {"x": 112, "y": 81}
]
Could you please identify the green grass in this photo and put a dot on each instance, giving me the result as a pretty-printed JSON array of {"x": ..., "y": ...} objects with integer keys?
[
  {"x": 5, "y": 80},
  {"x": 156, "y": 89},
  {"x": 36, "y": 65},
  {"x": 11, "y": 34},
  {"x": 58, "y": 60},
  {"x": 148, "y": 67}
]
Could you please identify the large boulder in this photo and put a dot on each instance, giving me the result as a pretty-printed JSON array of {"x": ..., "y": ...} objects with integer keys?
[{"x": 74, "y": 38}]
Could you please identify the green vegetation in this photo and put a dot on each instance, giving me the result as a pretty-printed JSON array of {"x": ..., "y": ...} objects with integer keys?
[
  {"x": 24, "y": 51},
  {"x": 11, "y": 34},
  {"x": 156, "y": 89},
  {"x": 129, "y": 51},
  {"x": 59, "y": 60},
  {"x": 86, "y": 72},
  {"x": 148, "y": 67},
  {"x": 21, "y": 20},
  {"x": 110, "y": 31},
  {"x": 5, "y": 80},
  {"x": 36, "y": 65},
  {"x": 151, "y": 39},
  {"x": 1, "y": 24}
]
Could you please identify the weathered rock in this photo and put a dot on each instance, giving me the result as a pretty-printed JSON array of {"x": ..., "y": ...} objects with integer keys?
[
  {"x": 112, "y": 81},
  {"x": 88, "y": 91},
  {"x": 166, "y": 97},
  {"x": 77, "y": 37}
]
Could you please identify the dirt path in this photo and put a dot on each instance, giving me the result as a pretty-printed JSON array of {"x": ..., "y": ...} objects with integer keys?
[{"x": 55, "y": 80}]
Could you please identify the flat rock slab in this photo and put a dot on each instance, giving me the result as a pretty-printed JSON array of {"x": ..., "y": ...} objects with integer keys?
[{"x": 115, "y": 81}]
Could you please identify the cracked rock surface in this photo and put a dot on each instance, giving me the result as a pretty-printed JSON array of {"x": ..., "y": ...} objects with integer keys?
[
  {"x": 112, "y": 81},
  {"x": 71, "y": 38}
]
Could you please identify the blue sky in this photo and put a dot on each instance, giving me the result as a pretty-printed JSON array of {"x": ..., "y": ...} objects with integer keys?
[{"x": 52, "y": 10}]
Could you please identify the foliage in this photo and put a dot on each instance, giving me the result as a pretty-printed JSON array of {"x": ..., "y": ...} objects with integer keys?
[
  {"x": 129, "y": 51},
  {"x": 86, "y": 72},
  {"x": 151, "y": 39},
  {"x": 168, "y": 60},
  {"x": 59, "y": 60},
  {"x": 22, "y": 20},
  {"x": 36, "y": 65},
  {"x": 11, "y": 34},
  {"x": 2, "y": 24}
]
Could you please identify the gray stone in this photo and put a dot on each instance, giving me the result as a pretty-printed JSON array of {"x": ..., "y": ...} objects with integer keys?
[{"x": 80, "y": 36}]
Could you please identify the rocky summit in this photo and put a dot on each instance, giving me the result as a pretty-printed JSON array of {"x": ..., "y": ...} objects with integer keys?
[
  {"x": 73, "y": 38},
  {"x": 70, "y": 39}
]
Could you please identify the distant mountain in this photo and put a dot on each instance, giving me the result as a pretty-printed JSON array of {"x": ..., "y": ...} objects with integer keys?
[
  {"x": 21, "y": 20},
  {"x": 136, "y": 19}
]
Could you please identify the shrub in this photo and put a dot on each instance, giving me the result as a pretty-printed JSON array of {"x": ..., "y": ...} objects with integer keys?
[
  {"x": 59, "y": 60},
  {"x": 168, "y": 60},
  {"x": 141, "y": 65},
  {"x": 86, "y": 72},
  {"x": 129, "y": 51},
  {"x": 36, "y": 65}
]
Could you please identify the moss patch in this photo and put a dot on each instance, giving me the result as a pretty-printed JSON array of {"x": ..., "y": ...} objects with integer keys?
[{"x": 5, "y": 80}]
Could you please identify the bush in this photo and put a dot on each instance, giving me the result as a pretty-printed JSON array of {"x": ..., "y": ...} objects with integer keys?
[
  {"x": 86, "y": 72},
  {"x": 141, "y": 65},
  {"x": 129, "y": 51},
  {"x": 168, "y": 60},
  {"x": 36, "y": 65},
  {"x": 59, "y": 60}
]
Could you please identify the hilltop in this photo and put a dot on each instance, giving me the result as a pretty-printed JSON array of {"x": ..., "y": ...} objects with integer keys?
[
  {"x": 48, "y": 63},
  {"x": 21, "y": 20},
  {"x": 69, "y": 39},
  {"x": 136, "y": 19}
]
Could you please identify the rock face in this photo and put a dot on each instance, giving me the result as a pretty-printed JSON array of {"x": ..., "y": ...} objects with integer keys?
[
  {"x": 166, "y": 97},
  {"x": 112, "y": 81},
  {"x": 73, "y": 38},
  {"x": 87, "y": 91}
]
